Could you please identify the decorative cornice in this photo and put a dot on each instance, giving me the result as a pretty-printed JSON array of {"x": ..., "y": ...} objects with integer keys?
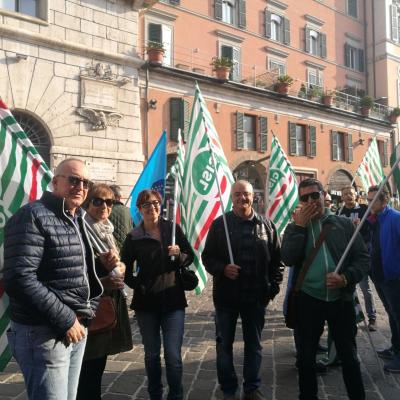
[
  {"x": 229, "y": 36},
  {"x": 314, "y": 65},
  {"x": 67, "y": 46},
  {"x": 354, "y": 78},
  {"x": 277, "y": 4},
  {"x": 276, "y": 52},
  {"x": 161, "y": 14},
  {"x": 313, "y": 20},
  {"x": 352, "y": 37}
]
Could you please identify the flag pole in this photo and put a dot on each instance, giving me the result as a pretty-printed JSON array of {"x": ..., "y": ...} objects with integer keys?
[
  {"x": 359, "y": 226},
  {"x": 175, "y": 209},
  {"x": 267, "y": 184},
  {"x": 228, "y": 240}
]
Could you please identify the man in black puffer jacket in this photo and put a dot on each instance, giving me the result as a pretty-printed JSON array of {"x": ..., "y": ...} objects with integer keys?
[
  {"x": 50, "y": 278},
  {"x": 243, "y": 287}
]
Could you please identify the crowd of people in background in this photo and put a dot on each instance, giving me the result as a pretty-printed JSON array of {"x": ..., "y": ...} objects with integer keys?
[{"x": 69, "y": 255}]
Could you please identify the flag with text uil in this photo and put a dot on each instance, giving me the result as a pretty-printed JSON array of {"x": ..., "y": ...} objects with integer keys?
[
  {"x": 24, "y": 177},
  {"x": 370, "y": 170},
  {"x": 282, "y": 197},
  {"x": 200, "y": 198}
]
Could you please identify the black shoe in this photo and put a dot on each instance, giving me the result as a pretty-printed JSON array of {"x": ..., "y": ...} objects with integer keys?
[
  {"x": 321, "y": 368},
  {"x": 386, "y": 354},
  {"x": 322, "y": 349},
  {"x": 372, "y": 325}
]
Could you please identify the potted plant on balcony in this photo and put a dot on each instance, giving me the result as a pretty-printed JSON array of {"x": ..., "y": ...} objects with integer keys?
[
  {"x": 314, "y": 93},
  {"x": 155, "y": 52},
  {"x": 283, "y": 82},
  {"x": 366, "y": 103},
  {"x": 394, "y": 115},
  {"x": 222, "y": 67},
  {"x": 327, "y": 98}
]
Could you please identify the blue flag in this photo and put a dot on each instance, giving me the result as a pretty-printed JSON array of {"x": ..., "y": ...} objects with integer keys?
[{"x": 152, "y": 176}]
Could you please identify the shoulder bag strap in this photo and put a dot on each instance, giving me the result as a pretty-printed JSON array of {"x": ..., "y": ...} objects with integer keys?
[{"x": 309, "y": 260}]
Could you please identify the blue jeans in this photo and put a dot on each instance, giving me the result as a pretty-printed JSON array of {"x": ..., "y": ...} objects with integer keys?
[
  {"x": 389, "y": 293},
  {"x": 368, "y": 298},
  {"x": 253, "y": 318},
  {"x": 50, "y": 368},
  {"x": 171, "y": 325}
]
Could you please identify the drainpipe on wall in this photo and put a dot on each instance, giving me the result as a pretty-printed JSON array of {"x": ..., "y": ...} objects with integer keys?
[
  {"x": 373, "y": 43},
  {"x": 146, "y": 118},
  {"x": 366, "y": 47}
]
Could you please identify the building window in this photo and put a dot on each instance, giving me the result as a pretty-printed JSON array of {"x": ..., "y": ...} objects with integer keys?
[
  {"x": 251, "y": 132},
  {"x": 160, "y": 33},
  {"x": 276, "y": 66},
  {"x": 231, "y": 12},
  {"x": 395, "y": 21},
  {"x": 342, "y": 146},
  {"x": 315, "y": 42},
  {"x": 352, "y": 8},
  {"x": 315, "y": 78},
  {"x": 302, "y": 140},
  {"x": 277, "y": 27},
  {"x": 383, "y": 152},
  {"x": 29, "y": 7},
  {"x": 179, "y": 115},
  {"x": 353, "y": 57},
  {"x": 233, "y": 53}
]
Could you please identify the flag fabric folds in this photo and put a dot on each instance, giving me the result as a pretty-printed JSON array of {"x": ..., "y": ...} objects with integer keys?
[
  {"x": 152, "y": 176},
  {"x": 282, "y": 196},
  {"x": 396, "y": 173},
  {"x": 200, "y": 200},
  {"x": 370, "y": 170},
  {"x": 24, "y": 177}
]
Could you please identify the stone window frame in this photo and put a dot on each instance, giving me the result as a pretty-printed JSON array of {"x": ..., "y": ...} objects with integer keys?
[{"x": 42, "y": 16}]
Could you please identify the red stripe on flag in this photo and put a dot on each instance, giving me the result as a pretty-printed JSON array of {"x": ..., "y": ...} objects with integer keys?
[
  {"x": 276, "y": 202},
  {"x": 33, "y": 191},
  {"x": 178, "y": 214},
  {"x": 371, "y": 182},
  {"x": 2, "y": 105},
  {"x": 207, "y": 225}
]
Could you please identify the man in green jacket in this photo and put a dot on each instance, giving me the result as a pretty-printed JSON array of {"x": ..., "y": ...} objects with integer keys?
[{"x": 325, "y": 295}]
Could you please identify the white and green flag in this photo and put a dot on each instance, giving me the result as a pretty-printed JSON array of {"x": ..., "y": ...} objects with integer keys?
[
  {"x": 396, "y": 173},
  {"x": 24, "y": 176},
  {"x": 200, "y": 199},
  {"x": 282, "y": 196},
  {"x": 370, "y": 170}
]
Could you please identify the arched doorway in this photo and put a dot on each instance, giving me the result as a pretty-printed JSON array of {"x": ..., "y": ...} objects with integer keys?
[
  {"x": 37, "y": 133},
  {"x": 253, "y": 172}
]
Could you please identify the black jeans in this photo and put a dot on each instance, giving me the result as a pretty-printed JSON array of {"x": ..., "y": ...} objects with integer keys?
[
  {"x": 341, "y": 318},
  {"x": 89, "y": 387}
]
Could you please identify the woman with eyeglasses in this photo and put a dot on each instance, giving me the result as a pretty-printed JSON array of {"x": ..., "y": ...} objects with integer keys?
[
  {"x": 152, "y": 270},
  {"x": 103, "y": 343}
]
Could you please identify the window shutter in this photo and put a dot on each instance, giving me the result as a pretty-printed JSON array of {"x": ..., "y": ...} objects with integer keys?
[
  {"x": 286, "y": 31},
  {"x": 349, "y": 157},
  {"x": 235, "y": 74},
  {"x": 322, "y": 44},
  {"x": 263, "y": 133},
  {"x": 242, "y": 14},
  {"x": 347, "y": 55},
  {"x": 292, "y": 139},
  {"x": 267, "y": 16},
  {"x": 361, "y": 60},
  {"x": 239, "y": 130},
  {"x": 334, "y": 138},
  {"x": 307, "y": 39},
  {"x": 385, "y": 154},
  {"x": 218, "y": 9},
  {"x": 313, "y": 141},
  {"x": 395, "y": 23},
  {"x": 186, "y": 119},
  {"x": 155, "y": 33},
  {"x": 175, "y": 118}
]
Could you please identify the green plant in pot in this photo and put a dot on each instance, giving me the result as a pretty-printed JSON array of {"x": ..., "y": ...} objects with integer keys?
[
  {"x": 394, "y": 115},
  {"x": 222, "y": 67},
  {"x": 155, "y": 52},
  {"x": 314, "y": 93},
  {"x": 327, "y": 98},
  {"x": 366, "y": 103},
  {"x": 283, "y": 82}
]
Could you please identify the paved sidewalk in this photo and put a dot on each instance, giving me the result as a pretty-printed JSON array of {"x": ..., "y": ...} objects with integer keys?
[{"x": 125, "y": 376}]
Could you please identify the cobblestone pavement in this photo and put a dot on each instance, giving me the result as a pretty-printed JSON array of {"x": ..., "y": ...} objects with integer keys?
[{"x": 125, "y": 376}]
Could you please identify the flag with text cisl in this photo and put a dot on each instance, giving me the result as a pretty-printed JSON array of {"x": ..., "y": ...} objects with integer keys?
[
  {"x": 370, "y": 170},
  {"x": 177, "y": 173},
  {"x": 200, "y": 198},
  {"x": 396, "y": 172},
  {"x": 283, "y": 197},
  {"x": 152, "y": 176},
  {"x": 24, "y": 177}
]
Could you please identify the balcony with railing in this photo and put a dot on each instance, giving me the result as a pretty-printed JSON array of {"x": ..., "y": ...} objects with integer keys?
[{"x": 196, "y": 61}]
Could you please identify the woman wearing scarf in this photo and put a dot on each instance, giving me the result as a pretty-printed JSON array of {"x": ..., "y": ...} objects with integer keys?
[{"x": 106, "y": 341}]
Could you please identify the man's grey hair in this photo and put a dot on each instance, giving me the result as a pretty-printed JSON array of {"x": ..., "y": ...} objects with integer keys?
[
  {"x": 117, "y": 191},
  {"x": 243, "y": 182}
]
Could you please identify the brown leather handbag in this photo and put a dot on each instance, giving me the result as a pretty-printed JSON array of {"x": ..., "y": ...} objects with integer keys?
[{"x": 106, "y": 316}]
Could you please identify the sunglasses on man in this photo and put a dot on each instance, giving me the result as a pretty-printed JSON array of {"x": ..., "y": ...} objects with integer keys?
[
  {"x": 314, "y": 196},
  {"x": 76, "y": 181}
]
